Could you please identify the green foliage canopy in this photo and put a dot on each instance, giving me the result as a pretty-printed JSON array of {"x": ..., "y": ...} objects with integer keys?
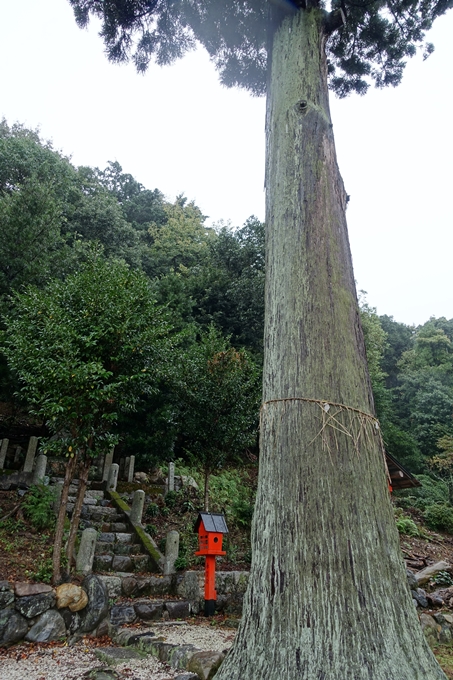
[
  {"x": 219, "y": 397},
  {"x": 86, "y": 349},
  {"x": 372, "y": 47}
]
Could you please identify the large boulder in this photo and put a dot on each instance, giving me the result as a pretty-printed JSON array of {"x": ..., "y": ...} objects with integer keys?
[
  {"x": 113, "y": 584},
  {"x": 15, "y": 480},
  {"x": 430, "y": 628},
  {"x": 24, "y": 589},
  {"x": 205, "y": 664},
  {"x": 149, "y": 610},
  {"x": 6, "y": 594},
  {"x": 98, "y": 603},
  {"x": 116, "y": 655},
  {"x": 49, "y": 626},
  {"x": 411, "y": 580},
  {"x": 178, "y": 609},
  {"x": 33, "y": 605},
  {"x": 427, "y": 574},
  {"x": 121, "y": 614},
  {"x": 13, "y": 627},
  {"x": 72, "y": 596},
  {"x": 419, "y": 596},
  {"x": 153, "y": 586}
]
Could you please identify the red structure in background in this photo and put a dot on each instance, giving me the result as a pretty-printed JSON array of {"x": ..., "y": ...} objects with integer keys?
[
  {"x": 399, "y": 477},
  {"x": 210, "y": 527}
]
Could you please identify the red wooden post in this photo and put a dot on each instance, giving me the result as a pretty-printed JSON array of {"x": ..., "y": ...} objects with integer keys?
[{"x": 210, "y": 528}]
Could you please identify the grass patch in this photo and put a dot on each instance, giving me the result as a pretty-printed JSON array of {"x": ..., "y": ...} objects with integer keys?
[{"x": 444, "y": 656}]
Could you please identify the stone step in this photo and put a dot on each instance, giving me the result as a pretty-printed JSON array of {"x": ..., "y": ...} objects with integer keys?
[
  {"x": 103, "y": 527},
  {"x": 122, "y": 563},
  {"x": 118, "y": 549},
  {"x": 103, "y": 548},
  {"x": 128, "y": 549},
  {"x": 99, "y": 511},
  {"x": 86, "y": 501},
  {"x": 93, "y": 493},
  {"x": 112, "y": 537}
]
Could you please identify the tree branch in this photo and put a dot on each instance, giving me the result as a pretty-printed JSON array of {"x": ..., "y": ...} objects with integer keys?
[{"x": 334, "y": 20}]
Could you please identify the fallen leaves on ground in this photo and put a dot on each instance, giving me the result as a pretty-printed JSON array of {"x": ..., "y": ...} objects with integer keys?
[{"x": 25, "y": 649}]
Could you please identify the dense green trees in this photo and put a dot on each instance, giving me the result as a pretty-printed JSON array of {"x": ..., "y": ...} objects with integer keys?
[
  {"x": 218, "y": 390},
  {"x": 412, "y": 384},
  {"x": 203, "y": 276},
  {"x": 35, "y": 183},
  {"x": 84, "y": 350}
]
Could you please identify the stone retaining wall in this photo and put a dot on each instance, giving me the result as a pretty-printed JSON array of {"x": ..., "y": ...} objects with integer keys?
[
  {"x": 37, "y": 612},
  {"x": 189, "y": 586}
]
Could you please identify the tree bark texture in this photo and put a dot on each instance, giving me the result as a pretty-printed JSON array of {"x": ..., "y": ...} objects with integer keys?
[
  {"x": 328, "y": 598},
  {"x": 75, "y": 519},
  {"x": 59, "y": 528}
]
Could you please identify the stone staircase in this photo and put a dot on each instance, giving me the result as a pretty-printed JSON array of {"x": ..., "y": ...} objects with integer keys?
[{"x": 118, "y": 549}]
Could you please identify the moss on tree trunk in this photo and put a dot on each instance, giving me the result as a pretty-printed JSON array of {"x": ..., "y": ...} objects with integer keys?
[{"x": 327, "y": 597}]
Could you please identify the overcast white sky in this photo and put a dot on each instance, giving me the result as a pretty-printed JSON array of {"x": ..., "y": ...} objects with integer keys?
[{"x": 178, "y": 130}]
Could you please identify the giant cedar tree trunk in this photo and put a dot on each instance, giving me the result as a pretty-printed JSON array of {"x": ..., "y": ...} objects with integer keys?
[{"x": 327, "y": 597}]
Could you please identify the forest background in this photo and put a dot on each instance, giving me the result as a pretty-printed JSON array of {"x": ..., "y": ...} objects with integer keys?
[{"x": 210, "y": 284}]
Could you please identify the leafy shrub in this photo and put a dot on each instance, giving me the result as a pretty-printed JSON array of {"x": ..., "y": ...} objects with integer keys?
[
  {"x": 242, "y": 511},
  {"x": 43, "y": 571},
  {"x": 38, "y": 506},
  {"x": 44, "y": 568},
  {"x": 248, "y": 557},
  {"x": 439, "y": 517},
  {"x": 171, "y": 498},
  {"x": 152, "y": 510},
  {"x": 432, "y": 491},
  {"x": 443, "y": 578},
  {"x": 181, "y": 563},
  {"x": 11, "y": 525},
  {"x": 407, "y": 526}
]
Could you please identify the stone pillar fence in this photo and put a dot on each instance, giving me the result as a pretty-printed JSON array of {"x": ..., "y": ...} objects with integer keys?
[
  {"x": 130, "y": 469},
  {"x": 3, "y": 450},
  {"x": 31, "y": 452},
  {"x": 138, "y": 502},
  {"x": 40, "y": 469}
]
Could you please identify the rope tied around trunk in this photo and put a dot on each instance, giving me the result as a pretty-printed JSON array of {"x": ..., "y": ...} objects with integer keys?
[{"x": 361, "y": 424}]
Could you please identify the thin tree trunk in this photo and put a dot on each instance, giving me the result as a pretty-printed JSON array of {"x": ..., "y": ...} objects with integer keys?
[
  {"x": 450, "y": 490},
  {"x": 328, "y": 598},
  {"x": 75, "y": 519},
  {"x": 59, "y": 528},
  {"x": 206, "y": 489}
]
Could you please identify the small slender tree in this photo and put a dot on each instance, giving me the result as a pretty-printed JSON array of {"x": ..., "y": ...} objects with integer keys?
[
  {"x": 219, "y": 398},
  {"x": 442, "y": 463},
  {"x": 85, "y": 349}
]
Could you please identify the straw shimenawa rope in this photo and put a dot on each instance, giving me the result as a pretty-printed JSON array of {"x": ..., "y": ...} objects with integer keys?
[{"x": 359, "y": 428}]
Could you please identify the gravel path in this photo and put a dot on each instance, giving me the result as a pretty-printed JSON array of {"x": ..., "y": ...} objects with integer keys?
[{"x": 72, "y": 663}]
